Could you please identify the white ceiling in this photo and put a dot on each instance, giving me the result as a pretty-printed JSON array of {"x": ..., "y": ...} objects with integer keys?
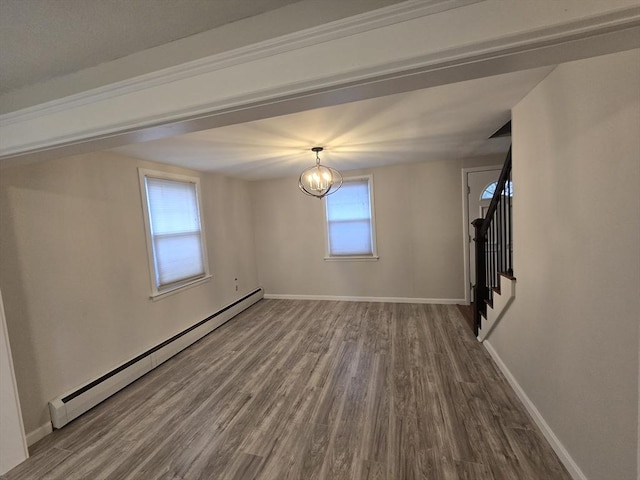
[
  {"x": 440, "y": 123},
  {"x": 42, "y": 39}
]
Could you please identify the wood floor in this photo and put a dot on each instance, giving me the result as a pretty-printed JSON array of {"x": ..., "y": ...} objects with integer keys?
[
  {"x": 311, "y": 390},
  {"x": 467, "y": 314}
]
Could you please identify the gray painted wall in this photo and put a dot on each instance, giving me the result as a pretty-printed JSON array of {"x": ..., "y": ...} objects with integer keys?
[
  {"x": 75, "y": 275},
  {"x": 418, "y": 214},
  {"x": 571, "y": 336}
]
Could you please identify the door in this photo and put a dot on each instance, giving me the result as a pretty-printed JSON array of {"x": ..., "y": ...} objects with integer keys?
[{"x": 477, "y": 183}]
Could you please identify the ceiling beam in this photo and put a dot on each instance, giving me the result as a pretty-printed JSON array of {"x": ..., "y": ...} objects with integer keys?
[{"x": 432, "y": 43}]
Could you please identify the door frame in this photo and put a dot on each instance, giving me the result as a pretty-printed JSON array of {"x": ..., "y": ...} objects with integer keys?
[{"x": 466, "y": 234}]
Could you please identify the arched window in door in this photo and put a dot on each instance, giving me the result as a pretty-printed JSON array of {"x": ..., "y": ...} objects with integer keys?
[{"x": 489, "y": 190}]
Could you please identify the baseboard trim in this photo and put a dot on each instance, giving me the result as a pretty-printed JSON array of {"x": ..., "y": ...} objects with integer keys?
[
  {"x": 39, "y": 433},
  {"x": 436, "y": 301},
  {"x": 71, "y": 405},
  {"x": 561, "y": 451}
]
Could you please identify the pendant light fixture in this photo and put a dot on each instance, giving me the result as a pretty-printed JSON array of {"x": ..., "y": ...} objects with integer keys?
[{"x": 319, "y": 181}]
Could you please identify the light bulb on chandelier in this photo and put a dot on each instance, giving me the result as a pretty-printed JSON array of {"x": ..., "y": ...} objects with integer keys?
[{"x": 319, "y": 181}]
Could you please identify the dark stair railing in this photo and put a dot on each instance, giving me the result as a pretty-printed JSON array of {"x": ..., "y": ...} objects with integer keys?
[{"x": 493, "y": 245}]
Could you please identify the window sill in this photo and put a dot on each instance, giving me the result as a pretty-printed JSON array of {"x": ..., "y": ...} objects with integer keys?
[
  {"x": 353, "y": 258},
  {"x": 166, "y": 293}
]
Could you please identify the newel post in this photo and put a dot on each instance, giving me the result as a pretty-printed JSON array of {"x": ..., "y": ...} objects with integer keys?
[{"x": 480, "y": 287}]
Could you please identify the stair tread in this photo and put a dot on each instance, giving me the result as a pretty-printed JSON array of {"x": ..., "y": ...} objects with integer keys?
[{"x": 507, "y": 275}]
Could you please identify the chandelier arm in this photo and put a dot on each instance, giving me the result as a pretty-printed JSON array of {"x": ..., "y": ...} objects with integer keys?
[
  {"x": 319, "y": 181},
  {"x": 337, "y": 183}
]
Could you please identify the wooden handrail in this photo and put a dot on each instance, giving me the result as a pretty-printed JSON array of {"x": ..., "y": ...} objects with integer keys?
[{"x": 502, "y": 182}]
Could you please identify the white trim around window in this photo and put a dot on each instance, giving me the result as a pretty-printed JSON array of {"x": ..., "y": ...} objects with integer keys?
[
  {"x": 350, "y": 230},
  {"x": 176, "y": 243}
]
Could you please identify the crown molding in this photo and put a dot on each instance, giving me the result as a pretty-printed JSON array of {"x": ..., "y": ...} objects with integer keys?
[
  {"x": 55, "y": 124},
  {"x": 323, "y": 33}
]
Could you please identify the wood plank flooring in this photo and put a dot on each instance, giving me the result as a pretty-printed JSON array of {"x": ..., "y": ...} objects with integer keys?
[
  {"x": 467, "y": 314},
  {"x": 311, "y": 390}
]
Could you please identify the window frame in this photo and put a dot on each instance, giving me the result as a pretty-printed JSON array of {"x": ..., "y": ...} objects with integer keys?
[
  {"x": 374, "y": 244},
  {"x": 156, "y": 291}
]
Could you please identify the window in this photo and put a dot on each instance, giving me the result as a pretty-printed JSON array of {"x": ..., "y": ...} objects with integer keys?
[
  {"x": 487, "y": 193},
  {"x": 350, "y": 220},
  {"x": 175, "y": 237}
]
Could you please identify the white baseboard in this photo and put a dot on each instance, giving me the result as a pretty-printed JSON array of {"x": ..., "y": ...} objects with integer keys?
[
  {"x": 555, "y": 443},
  {"x": 437, "y": 301},
  {"x": 39, "y": 433}
]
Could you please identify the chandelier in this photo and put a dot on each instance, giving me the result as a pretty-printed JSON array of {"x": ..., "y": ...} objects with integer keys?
[{"x": 319, "y": 181}]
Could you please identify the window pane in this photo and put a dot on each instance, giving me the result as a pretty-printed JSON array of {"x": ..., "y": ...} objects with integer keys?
[
  {"x": 173, "y": 206},
  {"x": 350, "y": 238},
  {"x": 487, "y": 194},
  {"x": 176, "y": 236},
  {"x": 350, "y": 202},
  {"x": 489, "y": 191},
  {"x": 349, "y": 223},
  {"x": 177, "y": 258}
]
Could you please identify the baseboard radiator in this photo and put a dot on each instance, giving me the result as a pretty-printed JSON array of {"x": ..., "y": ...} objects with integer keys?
[{"x": 73, "y": 404}]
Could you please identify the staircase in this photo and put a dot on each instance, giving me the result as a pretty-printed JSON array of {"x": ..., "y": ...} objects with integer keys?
[
  {"x": 503, "y": 296},
  {"x": 494, "y": 287}
]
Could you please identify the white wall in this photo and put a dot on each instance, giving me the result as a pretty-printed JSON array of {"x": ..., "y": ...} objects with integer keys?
[
  {"x": 13, "y": 445},
  {"x": 419, "y": 236},
  {"x": 570, "y": 338},
  {"x": 74, "y": 270}
]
